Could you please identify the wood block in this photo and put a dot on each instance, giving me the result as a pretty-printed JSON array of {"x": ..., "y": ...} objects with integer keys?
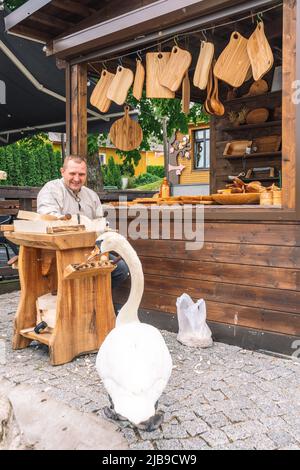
[{"x": 67, "y": 228}]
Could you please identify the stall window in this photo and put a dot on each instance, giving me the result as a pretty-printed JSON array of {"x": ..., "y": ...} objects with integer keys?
[{"x": 202, "y": 149}]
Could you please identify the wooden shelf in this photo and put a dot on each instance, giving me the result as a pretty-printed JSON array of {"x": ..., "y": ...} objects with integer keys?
[
  {"x": 267, "y": 178},
  {"x": 251, "y": 126},
  {"x": 42, "y": 337},
  {"x": 254, "y": 155},
  {"x": 273, "y": 94}
]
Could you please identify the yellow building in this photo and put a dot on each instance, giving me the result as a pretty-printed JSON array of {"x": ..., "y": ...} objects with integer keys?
[{"x": 196, "y": 168}]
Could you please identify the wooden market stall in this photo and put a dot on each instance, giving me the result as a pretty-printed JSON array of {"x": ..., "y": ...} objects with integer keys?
[{"x": 249, "y": 268}]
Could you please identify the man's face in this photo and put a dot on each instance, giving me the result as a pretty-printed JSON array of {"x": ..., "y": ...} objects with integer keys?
[{"x": 74, "y": 175}]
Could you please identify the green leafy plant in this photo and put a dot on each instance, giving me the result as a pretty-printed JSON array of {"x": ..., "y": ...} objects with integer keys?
[{"x": 156, "y": 170}]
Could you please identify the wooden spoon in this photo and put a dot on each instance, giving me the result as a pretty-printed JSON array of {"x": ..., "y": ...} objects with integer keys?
[{"x": 215, "y": 103}]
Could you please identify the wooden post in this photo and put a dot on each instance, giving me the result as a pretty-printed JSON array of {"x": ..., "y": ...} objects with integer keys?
[
  {"x": 76, "y": 109},
  {"x": 289, "y": 177}
]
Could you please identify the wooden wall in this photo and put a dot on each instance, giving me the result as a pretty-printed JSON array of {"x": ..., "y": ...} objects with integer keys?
[{"x": 248, "y": 274}]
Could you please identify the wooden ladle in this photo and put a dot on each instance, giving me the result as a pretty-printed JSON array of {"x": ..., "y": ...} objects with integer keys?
[
  {"x": 215, "y": 103},
  {"x": 207, "y": 104}
]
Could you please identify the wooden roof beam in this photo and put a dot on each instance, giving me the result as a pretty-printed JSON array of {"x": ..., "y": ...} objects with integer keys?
[
  {"x": 73, "y": 7},
  {"x": 52, "y": 21}
]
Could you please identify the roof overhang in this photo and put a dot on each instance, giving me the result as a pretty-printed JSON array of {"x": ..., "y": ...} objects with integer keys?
[{"x": 153, "y": 18}]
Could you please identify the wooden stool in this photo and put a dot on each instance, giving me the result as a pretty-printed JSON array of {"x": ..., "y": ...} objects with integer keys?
[{"x": 84, "y": 309}]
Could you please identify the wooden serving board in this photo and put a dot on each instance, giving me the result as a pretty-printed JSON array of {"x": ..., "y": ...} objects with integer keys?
[
  {"x": 186, "y": 94},
  {"x": 233, "y": 64},
  {"x": 178, "y": 64},
  {"x": 237, "y": 148},
  {"x": 125, "y": 133},
  {"x": 260, "y": 52},
  {"x": 203, "y": 66},
  {"x": 138, "y": 80},
  {"x": 155, "y": 63},
  {"x": 119, "y": 87},
  {"x": 99, "y": 96}
]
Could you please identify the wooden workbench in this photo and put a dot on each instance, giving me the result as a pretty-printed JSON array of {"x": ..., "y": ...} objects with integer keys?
[{"x": 84, "y": 312}]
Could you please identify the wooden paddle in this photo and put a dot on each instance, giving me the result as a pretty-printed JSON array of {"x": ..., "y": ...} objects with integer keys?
[
  {"x": 99, "y": 96},
  {"x": 172, "y": 74},
  {"x": 186, "y": 94},
  {"x": 125, "y": 133},
  {"x": 260, "y": 52},
  {"x": 138, "y": 80},
  {"x": 155, "y": 63},
  {"x": 233, "y": 64},
  {"x": 119, "y": 87},
  {"x": 203, "y": 65}
]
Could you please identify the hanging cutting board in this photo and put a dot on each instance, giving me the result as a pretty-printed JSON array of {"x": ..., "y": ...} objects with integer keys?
[
  {"x": 138, "y": 80},
  {"x": 125, "y": 133},
  {"x": 99, "y": 96},
  {"x": 155, "y": 63},
  {"x": 233, "y": 64},
  {"x": 260, "y": 52},
  {"x": 178, "y": 64},
  {"x": 186, "y": 94},
  {"x": 119, "y": 87},
  {"x": 203, "y": 65}
]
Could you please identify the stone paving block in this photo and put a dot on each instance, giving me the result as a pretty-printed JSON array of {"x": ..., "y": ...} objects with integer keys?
[
  {"x": 174, "y": 431},
  {"x": 216, "y": 420},
  {"x": 195, "y": 443},
  {"x": 196, "y": 427},
  {"x": 185, "y": 414},
  {"x": 243, "y": 430},
  {"x": 235, "y": 415},
  {"x": 168, "y": 444},
  {"x": 280, "y": 437},
  {"x": 215, "y": 438},
  {"x": 145, "y": 445}
]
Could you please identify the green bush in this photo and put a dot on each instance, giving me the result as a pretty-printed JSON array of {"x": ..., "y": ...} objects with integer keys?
[
  {"x": 156, "y": 170},
  {"x": 29, "y": 162},
  {"x": 111, "y": 174},
  {"x": 127, "y": 169},
  {"x": 145, "y": 179}
]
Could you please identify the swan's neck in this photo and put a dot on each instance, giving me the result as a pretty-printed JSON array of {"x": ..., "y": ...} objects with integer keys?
[{"x": 129, "y": 311}]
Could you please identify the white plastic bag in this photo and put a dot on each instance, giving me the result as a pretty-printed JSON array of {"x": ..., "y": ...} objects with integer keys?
[{"x": 193, "y": 329}]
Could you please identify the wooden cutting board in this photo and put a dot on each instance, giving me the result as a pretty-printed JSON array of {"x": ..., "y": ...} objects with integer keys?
[
  {"x": 99, "y": 96},
  {"x": 138, "y": 80},
  {"x": 203, "y": 66},
  {"x": 119, "y": 87},
  {"x": 186, "y": 94},
  {"x": 125, "y": 133},
  {"x": 178, "y": 64},
  {"x": 260, "y": 52},
  {"x": 155, "y": 63},
  {"x": 233, "y": 64}
]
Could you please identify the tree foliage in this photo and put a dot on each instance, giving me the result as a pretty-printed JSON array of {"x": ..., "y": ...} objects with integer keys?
[
  {"x": 30, "y": 162},
  {"x": 13, "y": 4}
]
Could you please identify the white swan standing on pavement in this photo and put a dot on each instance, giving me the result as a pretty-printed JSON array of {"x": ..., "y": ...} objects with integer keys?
[{"x": 133, "y": 362}]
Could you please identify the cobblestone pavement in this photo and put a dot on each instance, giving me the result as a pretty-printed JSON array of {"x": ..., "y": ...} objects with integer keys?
[{"x": 218, "y": 398}]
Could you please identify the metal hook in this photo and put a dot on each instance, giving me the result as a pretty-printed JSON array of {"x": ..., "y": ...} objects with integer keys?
[
  {"x": 159, "y": 47},
  {"x": 176, "y": 42},
  {"x": 120, "y": 62},
  {"x": 204, "y": 34},
  {"x": 139, "y": 55},
  {"x": 252, "y": 17},
  {"x": 259, "y": 17},
  {"x": 104, "y": 65}
]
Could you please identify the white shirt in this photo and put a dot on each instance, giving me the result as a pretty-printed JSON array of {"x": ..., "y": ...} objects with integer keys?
[{"x": 56, "y": 199}]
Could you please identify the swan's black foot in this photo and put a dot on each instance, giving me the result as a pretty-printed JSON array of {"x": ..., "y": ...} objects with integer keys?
[
  {"x": 152, "y": 423},
  {"x": 110, "y": 413}
]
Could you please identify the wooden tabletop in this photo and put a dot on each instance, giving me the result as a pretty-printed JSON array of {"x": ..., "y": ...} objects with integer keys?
[{"x": 65, "y": 241}]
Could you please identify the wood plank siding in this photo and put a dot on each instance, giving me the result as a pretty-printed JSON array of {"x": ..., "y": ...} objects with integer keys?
[{"x": 248, "y": 274}]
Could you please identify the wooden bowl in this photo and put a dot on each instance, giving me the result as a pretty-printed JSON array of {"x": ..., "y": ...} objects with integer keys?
[{"x": 257, "y": 116}]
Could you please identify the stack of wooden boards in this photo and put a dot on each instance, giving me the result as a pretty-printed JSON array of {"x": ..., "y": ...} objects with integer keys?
[{"x": 31, "y": 222}]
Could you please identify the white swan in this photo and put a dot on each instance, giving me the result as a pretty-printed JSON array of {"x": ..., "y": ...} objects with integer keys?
[{"x": 133, "y": 361}]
